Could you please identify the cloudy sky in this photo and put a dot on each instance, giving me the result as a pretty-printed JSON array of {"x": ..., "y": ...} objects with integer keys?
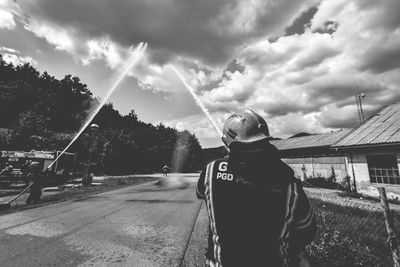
[{"x": 298, "y": 63}]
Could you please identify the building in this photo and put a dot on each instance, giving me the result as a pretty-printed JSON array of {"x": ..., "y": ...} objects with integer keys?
[
  {"x": 373, "y": 150},
  {"x": 369, "y": 154},
  {"x": 312, "y": 156}
]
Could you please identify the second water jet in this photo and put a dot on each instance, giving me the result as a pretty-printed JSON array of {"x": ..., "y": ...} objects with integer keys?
[{"x": 198, "y": 101}]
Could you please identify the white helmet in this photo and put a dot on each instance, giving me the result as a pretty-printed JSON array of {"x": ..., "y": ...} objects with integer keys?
[{"x": 244, "y": 126}]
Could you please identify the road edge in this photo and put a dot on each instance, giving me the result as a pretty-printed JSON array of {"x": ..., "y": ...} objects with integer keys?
[{"x": 197, "y": 244}]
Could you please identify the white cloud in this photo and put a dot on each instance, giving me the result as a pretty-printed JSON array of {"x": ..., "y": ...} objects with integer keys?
[
  {"x": 55, "y": 35},
  {"x": 4, "y": 49},
  {"x": 103, "y": 49},
  {"x": 199, "y": 124},
  {"x": 330, "y": 114},
  {"x": 18, "y": 60},
  {"x": 6, "y": 16},
  {"x": 156, "y": 77},
  {"x": 293, "y": 123}
]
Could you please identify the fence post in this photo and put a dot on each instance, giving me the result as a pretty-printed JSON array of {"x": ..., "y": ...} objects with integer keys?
[{"x": 392, "y": 239}]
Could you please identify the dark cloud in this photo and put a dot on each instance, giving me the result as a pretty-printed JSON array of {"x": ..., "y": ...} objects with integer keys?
[
  {"x": 388, "y": 12},
  {"x": 235, "y": 65},
  {"x": 282, "y": 108},
  {"x": 299, "y": 24},
  {"x": 347, "y": 116},
  {"x": 381, "y": 59},
  {"x": 282, "y": 12},
  {"x": 340, "y": 123},
  {"x": 338, "y": 88},
  {"x": 198, "y": 29},
  {"x": 339, "y": 93}
]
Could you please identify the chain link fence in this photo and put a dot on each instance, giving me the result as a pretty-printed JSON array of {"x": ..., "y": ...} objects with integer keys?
[{"x": 351, "y": 231}]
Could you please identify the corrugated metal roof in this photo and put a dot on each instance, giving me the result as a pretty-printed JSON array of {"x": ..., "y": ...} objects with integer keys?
[
  {"x": 381, "y": 128},
  {"x": 317, "y": 140}
]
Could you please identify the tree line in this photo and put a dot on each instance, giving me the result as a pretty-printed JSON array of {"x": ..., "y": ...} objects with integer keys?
[{"x": 41, "y": 112}]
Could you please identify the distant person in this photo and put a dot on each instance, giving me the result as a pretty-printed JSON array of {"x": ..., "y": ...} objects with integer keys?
[
  {"x": 165, "y": 170},
  {"x": 304, "y": 171},
  {"x": 25, "y": 170},
  {"x": 87, "y": 179},
  {"x": 258, "y": 212},
  {"x": 90, "y": 178},
  {"x": 332, "y": 178},
  {"x": 35, "y": 180}
]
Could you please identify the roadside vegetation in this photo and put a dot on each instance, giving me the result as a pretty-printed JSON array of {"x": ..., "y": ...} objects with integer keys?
[
  {"x": 351, "y": 227},
  {"x": 331, "y": 248},
  {"x": 351, "y": 232}
]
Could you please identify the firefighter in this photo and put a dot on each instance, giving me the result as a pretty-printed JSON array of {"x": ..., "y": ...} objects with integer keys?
[
  {"x": 165, "y": 170},
  {"x": 36, "y": 187},
  {"x": 7, "y": 169},
  {"x": 25, "y": 171},
  {"x": 258, "y": 212},
  {"x": 90, "y": 179}
]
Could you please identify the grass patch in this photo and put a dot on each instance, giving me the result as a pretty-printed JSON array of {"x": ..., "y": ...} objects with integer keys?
[
  {"x": 350, "y": 233},
  {"x": 333, "y": 249},
  {"x": 84, "y": 191}
]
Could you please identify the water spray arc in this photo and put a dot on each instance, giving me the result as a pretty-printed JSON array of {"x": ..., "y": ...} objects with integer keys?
[
  {"x": 197, "y": 100},
  {"x": 134, "y": 59}
]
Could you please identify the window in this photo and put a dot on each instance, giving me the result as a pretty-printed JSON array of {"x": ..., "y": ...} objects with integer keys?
[{"x": 383, "y": 169}]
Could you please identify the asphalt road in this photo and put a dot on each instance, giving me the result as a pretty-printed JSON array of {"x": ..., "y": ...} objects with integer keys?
[{"x": 145, "y": 225}]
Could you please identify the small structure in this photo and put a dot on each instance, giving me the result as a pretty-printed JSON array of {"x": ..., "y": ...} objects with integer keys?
[{"x": 312, "y": 156}]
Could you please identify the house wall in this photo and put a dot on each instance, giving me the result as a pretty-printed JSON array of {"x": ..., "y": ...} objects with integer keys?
[
  {"x": 358, "y": 167},
  {"x": 318, "y": 167}
]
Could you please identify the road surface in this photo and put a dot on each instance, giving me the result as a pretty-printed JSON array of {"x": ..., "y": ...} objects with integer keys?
[{"x": 145, "y": 225}]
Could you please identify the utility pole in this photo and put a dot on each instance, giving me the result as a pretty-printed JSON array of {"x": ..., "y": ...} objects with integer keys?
[
  {"x": 360, "y": 110},
  {"x": 93, "y": 128},
  {"x": 392, "y": 240}
]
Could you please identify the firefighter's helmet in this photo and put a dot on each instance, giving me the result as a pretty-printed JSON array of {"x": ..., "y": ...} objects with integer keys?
[
  {"x": 244, "y": 126},
  {"x": 34, "y": 166}
]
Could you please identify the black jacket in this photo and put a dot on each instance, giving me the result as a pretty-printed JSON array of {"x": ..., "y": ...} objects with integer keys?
[{"x": 259, "y": 214}]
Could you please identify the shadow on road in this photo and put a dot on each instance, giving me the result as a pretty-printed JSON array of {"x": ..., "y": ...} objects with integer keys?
[
  {"x": 160, "y": 189},
  {"x": 151, "y": 201}
]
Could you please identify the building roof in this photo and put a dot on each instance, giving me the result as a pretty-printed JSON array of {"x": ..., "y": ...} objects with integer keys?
[
  {"x": 310, "y": 141},
  {"x": 381, "y": 128}
]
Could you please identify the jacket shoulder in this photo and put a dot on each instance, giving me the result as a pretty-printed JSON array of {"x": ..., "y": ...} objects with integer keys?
[
  {"x": 218, "y": 165},
  {"x": 216, "y": 162}
]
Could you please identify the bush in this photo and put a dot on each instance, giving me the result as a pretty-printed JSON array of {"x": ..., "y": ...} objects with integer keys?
[
  {"x": 331, "y": 249},
  {"x": 321, "y": 182},
  {"x": 345, "y": 184}
]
